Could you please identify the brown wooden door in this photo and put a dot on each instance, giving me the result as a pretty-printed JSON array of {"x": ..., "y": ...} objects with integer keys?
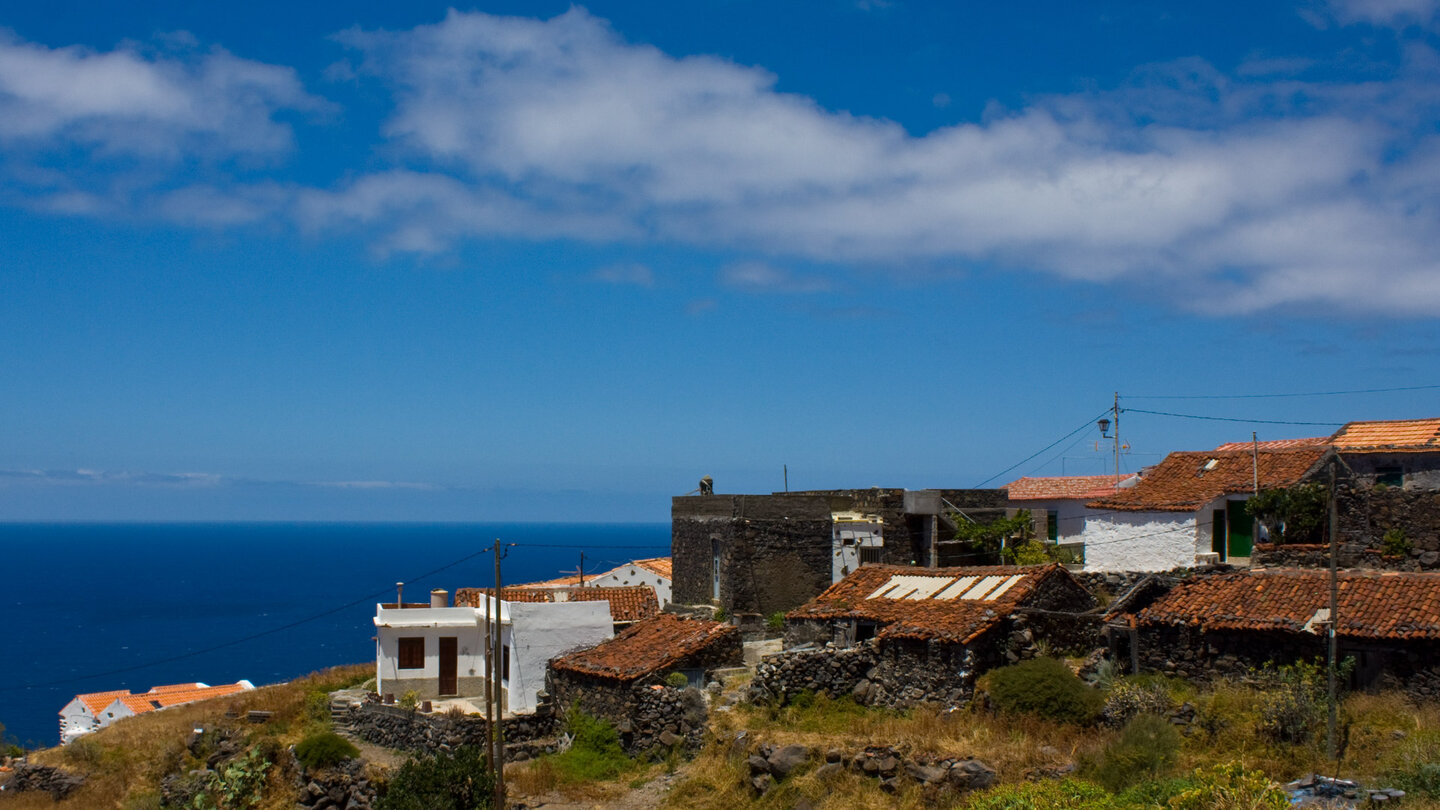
[{"x": 449, "y": 666}]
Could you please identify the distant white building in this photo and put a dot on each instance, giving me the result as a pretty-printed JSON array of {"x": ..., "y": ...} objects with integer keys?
[
  {"x": 96, "y": 710},
  {"x": 1058, "y": 502},
  {"x": 653, "y": 573},
  {"x": 439, "y": 651}
]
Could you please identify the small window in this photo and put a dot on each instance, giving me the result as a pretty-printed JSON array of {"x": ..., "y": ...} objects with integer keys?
[
  {"x": 412, "y": 653},
  {"x": 505, "y": 663},
  {"x": 1390, "y": 476},
  {"x": 872, "y": 554}
]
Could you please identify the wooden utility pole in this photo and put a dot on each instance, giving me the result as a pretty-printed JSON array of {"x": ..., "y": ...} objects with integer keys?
[
  {"x": 582, "y": 569},
  {"x": 499, "y": 734},
  {"x": 1117, "y": 438},
  {"x": 489, "y": 686},
  {"x": 1334, "y": 608}
]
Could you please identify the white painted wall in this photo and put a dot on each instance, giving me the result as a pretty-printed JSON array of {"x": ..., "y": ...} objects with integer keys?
[
  {"x": 76, "y": 719},
  {"x": 431, "y": 624},
  {"x": 631, "y": 575},
  {"x": 848, "y": 537},
  {"x": 1141, "y": 541},
  {"x": 1070, "y": 511},
  {"x": 541, "y": 631}
]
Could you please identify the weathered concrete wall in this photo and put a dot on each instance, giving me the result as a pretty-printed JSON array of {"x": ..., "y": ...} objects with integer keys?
[{"x": 1140, "y": 541}]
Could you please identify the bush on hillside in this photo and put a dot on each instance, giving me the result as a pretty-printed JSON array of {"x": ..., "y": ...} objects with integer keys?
[
  {"x": 324, "y": 749},
  {"x": 1128, "y": 700},
  {"x": 1046, "y": 688},
  {"x": 1297, "y": 702},
  {"x": 595, "y": 753},
  {"x": 1062, "y": 794},
  {"x": 455, "y": 780},
  {"x": 677, "y": 680},
  {"x": 1146, "y": 749},
  {"x": 1231, "y": 787}
]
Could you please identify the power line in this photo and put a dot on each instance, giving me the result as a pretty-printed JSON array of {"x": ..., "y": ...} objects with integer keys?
[
  {"x": 233, "y": 642},
  {"x": 1233, "y": 419},
  {"x": 1044, "y": 449},
  {"x": 1277, "y": 396}
]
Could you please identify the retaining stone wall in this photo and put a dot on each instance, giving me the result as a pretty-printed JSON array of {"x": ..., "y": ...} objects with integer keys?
[
  {"x": 898, "y": 673},
  {"x": 408, "y": 730},
  {"x": 646, "y": 716}
]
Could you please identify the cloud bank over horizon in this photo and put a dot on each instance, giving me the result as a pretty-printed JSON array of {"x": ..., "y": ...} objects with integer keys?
[{"x": 1275, "y": 185}]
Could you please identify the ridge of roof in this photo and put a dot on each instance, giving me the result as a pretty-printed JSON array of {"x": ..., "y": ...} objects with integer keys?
[
  {"x": 648, "y": 646},
  {"x": 1412, "y": 435},
  {"x": 1058, "y": 487},
  {"x": 1187, "y": 480}
]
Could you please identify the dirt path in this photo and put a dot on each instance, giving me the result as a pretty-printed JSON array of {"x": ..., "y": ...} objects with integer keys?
[{"x": 646, "y": 797}]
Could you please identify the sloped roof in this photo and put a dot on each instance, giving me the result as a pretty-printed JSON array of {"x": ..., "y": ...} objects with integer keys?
[
  {"x": 1408, "y": 435},
  {"x": 627, "y": 604},
  {"x": 1372, "y": 605},
  {"x": 97, "y": 701},
  {"x": 1276, "y": 444},
  {"x": 1184, "y": 482},
  {"x": 652, "y": 645},
  {"x": 1057, "y": 487},
  {"x": 657, "y": 565},
  {"x": 946, "y": 604},
  {"x": 176, "y": 695}
]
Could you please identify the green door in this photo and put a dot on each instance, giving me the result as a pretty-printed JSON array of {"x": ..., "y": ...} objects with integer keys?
[{"x": 1241, "y": 534}]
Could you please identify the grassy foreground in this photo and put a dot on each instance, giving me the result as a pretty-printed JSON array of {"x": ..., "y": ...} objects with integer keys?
[{"x": 124, "y": 763}]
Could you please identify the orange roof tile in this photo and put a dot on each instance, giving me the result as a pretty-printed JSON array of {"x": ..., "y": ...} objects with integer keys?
[
  {"x": 1372, "y": 605},
  {"x": 167, "y": 696},
  {"x": 1063, "y": 486},
  {"x": 1184, "y": 482},
  {"x": 1276, "y": 444},
  {"x": 97, "y": 701},
  {"x": 176, "y": 687},
  {"x": 1409, "y": 435},
  {"x": 652, "y": 645},
  {"x": 958, "y": 604},
  {"x": 626, "y": 604},
  {"x": 657, "y": 565}
]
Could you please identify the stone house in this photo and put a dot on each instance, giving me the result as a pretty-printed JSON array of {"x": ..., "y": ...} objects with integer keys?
[
  {"x": 759, "y": 554},
  {"x": 602, "y": 679},
  {"x": 933, "y": 631},
  {"x": 1189, "y": 509},
  {"x": 440, "y": 651},
  {"x": 1221, "y": 626}
]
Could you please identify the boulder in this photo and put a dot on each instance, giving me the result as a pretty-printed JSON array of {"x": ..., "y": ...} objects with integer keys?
[{"x": 785, "y": 760}]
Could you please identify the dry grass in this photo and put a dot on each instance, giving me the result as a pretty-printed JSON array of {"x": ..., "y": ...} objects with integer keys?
[{"x": 124, "y": 763}]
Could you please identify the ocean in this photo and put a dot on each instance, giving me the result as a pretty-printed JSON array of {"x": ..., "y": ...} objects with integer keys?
[{"x": 90, "y": 607}]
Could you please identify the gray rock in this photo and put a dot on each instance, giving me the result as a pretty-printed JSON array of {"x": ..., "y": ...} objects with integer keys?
[
  {"x": 758, "y": 764},
  {"x": 925, "y": 774},
  {"x": 829, "y": 769},
  {"x": 762, "y": 783},
  {"x": 971, "y": 774},
  {"x": 785, "y": 760}
]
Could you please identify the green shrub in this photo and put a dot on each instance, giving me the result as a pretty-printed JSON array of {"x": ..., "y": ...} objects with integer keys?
[
  {"x": 1231, "y": 787},
  {"x": 1146, "y": 749},
  {"x": 721, "y": 614},
  {"x": 317, "y": 707},
  {"x": 677, "y": 680},
  {"x": 1128, "y": 700},
  {"x": 804, "y": 699},
  {"x": 1063, "y": 794},
  {"x": 776, "y": 620},
  {"x": 238, "y": 785},
  {"x": 1423, "y": 780},
  {"x": 457, "y": 780},
  {"x": 1296, "y": 701},
  {"x": 1154, "y": 792},
  {"x": 324, "y": 750},
  {"x": 1046, "y": 688},
  {"x": 1395, "y": 544},
  {"x": 594, "y": 754},
  {"x": 410, "y": 700}
]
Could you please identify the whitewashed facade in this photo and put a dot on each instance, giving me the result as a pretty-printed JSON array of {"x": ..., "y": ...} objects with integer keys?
[
  {"x": 440, "y": 651},
  {"x": 634, "y": 574}
]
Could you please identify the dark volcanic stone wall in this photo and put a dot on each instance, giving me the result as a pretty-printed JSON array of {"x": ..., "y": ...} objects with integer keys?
[{"x": 774, "y": 550}]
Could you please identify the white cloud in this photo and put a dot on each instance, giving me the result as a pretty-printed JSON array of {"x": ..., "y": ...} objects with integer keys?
[
  {"x": 1223, "y": 191},
  {"x": 1395, "y": 13},
  {"x": 766, "y": 278}
]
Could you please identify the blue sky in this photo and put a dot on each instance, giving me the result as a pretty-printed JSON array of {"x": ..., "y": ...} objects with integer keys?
[{"x": 532, "y": 261}]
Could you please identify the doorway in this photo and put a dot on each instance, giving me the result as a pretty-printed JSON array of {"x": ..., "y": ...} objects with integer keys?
[{"x": 449, "y": 666}]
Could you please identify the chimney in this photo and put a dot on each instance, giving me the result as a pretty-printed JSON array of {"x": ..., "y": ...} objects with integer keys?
[{"x": 439, "y": 598}]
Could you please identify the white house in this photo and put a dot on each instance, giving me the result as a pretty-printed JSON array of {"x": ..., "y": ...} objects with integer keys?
[
  {"x": 1190, "y": 509},
  {"x": 653, "y": 573},
  {"x": 1058, "y": 503},
  {"x": 89, "y": 712},
  {"x": 438, "y": 651}
]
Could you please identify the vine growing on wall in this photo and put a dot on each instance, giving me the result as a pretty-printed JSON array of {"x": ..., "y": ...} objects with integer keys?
[
  {"x": 1291, "y": 515},
  {"x": 988, "y": 539}
]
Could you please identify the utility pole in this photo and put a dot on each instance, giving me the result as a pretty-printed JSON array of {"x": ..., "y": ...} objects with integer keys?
[
  {"x": 1116, "y": 410},
  {"x": 785, "y": 470},
  {"x": 1334, "y": 608},
  {"x": 582, "y": 569},
  {"x": 499, "y": 735},
  {"x": 489, "y": 685}
]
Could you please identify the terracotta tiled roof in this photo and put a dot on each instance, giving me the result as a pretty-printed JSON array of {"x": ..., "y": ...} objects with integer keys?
[
  {"x": 626, "y": 604},
  {"x": 657, "y": 565},
  {"x": 1371, "y": 605},
  {"x": 176, "y": 687},
  {"x": 649, "y": 646},
  {"x": 97, "y": 701},
  {"x": 568, "y": 581},
  {"x": 173, "y": 696},
  {"x": 1276, "y": 444},
  {"x": 958, "y": 604},
  {"x": 1409, "y": 435},
  {"x": 1184, "y": 482},
  {"x": 1063, "y": 486}
]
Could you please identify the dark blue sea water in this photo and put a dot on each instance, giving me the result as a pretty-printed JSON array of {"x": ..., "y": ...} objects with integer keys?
[{"x": 93, "y": 607}]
